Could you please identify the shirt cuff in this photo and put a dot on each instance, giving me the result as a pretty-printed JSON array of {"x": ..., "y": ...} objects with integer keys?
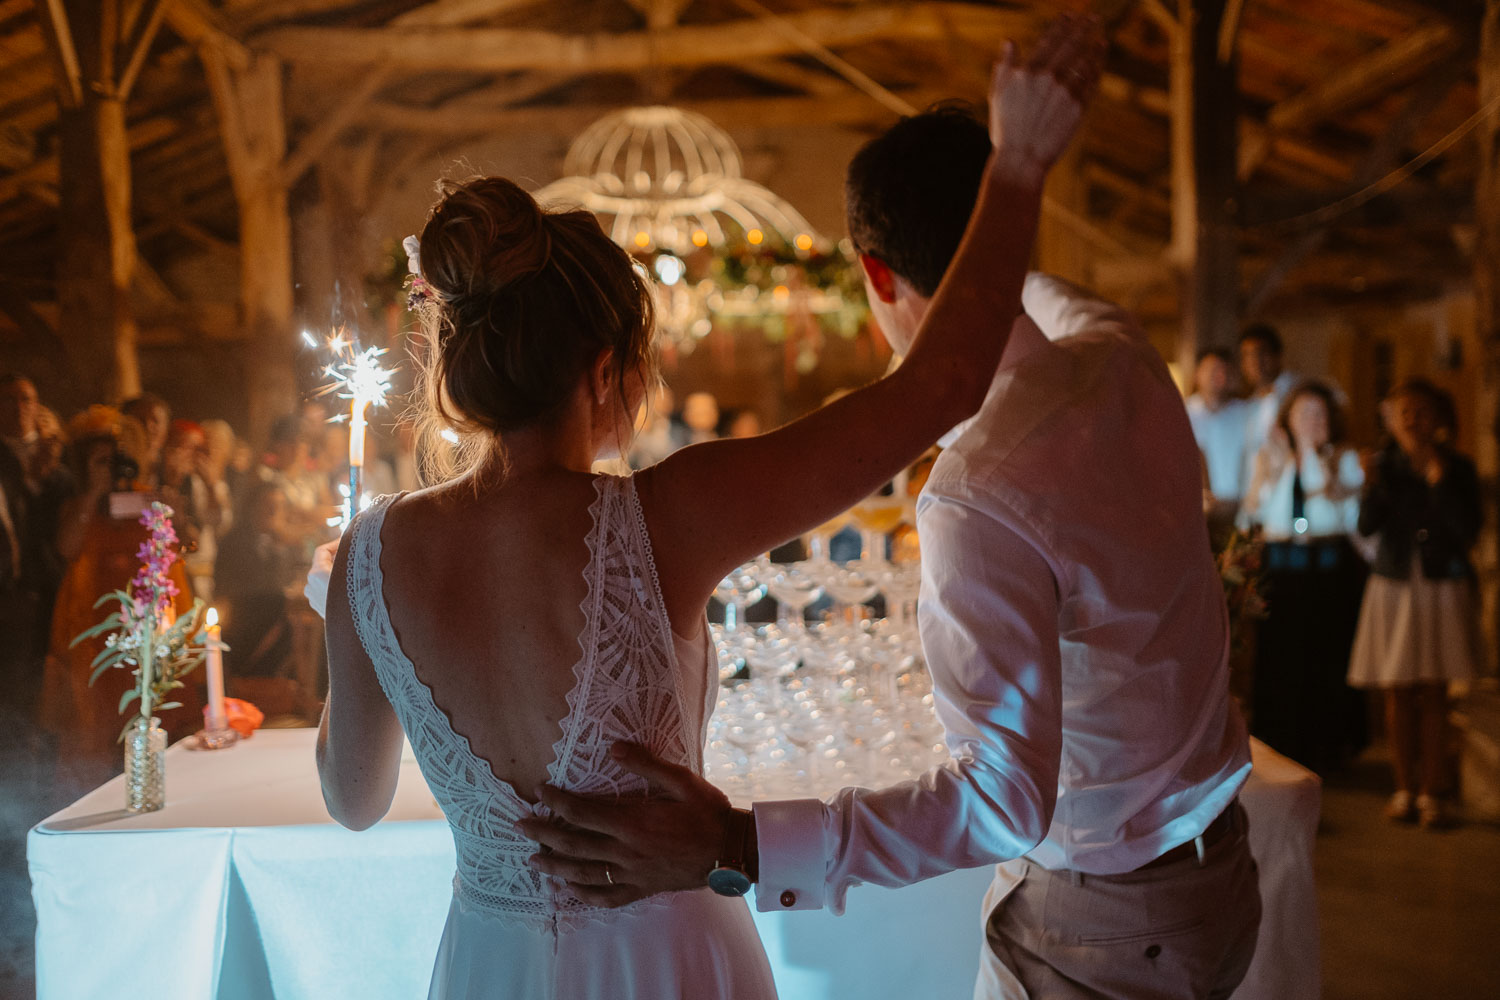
[{"x": 793, "y": 866}]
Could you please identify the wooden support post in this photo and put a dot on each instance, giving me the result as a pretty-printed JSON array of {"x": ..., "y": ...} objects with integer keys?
[
  {"x": 249, "y": 106},
  {"x": 96, "y": 265},
  {"x": 1487, "y": 194},
  {"x": 1487, "y": 282},
  {"x": 1204, "y": 117}
]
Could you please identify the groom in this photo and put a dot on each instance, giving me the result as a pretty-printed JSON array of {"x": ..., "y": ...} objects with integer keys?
[{"x": 1075, "y": 628}]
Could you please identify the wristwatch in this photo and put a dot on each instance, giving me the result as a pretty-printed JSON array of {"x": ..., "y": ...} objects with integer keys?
[{"x": 729, "y": 877}]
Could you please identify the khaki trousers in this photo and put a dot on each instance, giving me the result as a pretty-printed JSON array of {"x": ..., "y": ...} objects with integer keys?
[{"x": 1178, "y": 932}]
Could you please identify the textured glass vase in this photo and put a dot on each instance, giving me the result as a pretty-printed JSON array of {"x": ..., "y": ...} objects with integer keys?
[{"x": 145, "y": 766}]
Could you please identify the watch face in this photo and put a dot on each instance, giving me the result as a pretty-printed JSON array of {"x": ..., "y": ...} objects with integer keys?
[{"x": 729, "y": 881}]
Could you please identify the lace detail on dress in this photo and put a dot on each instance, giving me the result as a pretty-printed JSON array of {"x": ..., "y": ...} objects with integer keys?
[{"x": 626, "y": 687}]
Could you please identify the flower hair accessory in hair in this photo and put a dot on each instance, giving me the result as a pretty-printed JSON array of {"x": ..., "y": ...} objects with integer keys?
[{"x": 417, "y": 290}]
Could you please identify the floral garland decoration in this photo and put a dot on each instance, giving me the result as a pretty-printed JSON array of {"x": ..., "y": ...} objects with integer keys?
[
  {"x": 781, "y": 272},
  {"x": 143, "y": 634}
]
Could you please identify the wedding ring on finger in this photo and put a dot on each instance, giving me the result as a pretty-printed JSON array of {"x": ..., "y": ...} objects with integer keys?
[{"x": 607, "y": 876}]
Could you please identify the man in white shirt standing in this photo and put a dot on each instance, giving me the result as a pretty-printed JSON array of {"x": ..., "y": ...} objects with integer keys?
[
  {"x": 1219, "y": 426},
  {"x": 1077, "y": 637},
  {"x": 1268, "y": 383}
]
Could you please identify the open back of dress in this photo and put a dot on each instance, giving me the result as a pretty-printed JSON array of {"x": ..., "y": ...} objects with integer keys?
[{"x": 513, "y": 932}]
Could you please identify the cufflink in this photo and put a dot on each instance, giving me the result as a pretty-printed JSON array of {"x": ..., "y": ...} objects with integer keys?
[{"x": 788, "y": 899}]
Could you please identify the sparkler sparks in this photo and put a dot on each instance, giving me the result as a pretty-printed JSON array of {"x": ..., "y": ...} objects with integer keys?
[{"x": 356, "y": 375}]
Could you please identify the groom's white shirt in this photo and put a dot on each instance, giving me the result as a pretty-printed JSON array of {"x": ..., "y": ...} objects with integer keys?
[{"x": 1074, "y": 626}]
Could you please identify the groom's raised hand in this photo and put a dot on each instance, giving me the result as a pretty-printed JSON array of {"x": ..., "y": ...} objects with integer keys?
[{"x": 615, "y": 851}]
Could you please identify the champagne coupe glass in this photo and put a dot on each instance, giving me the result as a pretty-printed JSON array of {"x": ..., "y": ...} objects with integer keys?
[
  {"x": 850, "y": 588},
  {"x": 795, "y": 586}
]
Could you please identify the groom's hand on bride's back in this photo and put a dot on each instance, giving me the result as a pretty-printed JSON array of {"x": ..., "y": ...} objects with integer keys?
[{"x": 615, "y": 851}]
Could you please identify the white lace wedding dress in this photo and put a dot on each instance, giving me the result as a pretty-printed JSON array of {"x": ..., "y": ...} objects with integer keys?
[{"x": 513, "y": 933}]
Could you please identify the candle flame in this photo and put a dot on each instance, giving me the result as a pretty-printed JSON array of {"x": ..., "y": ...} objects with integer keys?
[{"x": 213, "y": 617}]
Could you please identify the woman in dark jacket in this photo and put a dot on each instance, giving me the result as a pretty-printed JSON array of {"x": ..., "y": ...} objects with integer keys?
[{"x": 1418, "y": 627}]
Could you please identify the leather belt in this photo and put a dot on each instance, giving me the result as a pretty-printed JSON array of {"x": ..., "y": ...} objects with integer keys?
[{"x": 1216, "y": 831}]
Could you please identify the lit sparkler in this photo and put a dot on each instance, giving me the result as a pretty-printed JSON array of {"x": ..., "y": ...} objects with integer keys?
[{"x": 358, "y": 376}]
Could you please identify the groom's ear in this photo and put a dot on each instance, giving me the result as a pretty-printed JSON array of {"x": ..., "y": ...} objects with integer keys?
[{"x": 881, "y": 278}]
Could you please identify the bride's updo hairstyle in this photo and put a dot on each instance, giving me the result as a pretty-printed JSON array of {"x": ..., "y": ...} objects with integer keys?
[{"x": 520, "y": 303}]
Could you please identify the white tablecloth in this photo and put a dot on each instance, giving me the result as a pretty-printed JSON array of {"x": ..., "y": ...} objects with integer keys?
[{"x": 244, "y": 888}]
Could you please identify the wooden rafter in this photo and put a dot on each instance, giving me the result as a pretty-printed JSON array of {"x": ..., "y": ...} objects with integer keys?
[
  {"x": 331, "y": 125},
  {"x": 139, "y": 45},
  {"x": 1353, "y": 85},
  {"x": 757, "y": 112},
  {"x": 1382, "y": 156},
  {"x": 451, "y": 13},
  {"x": 201, "y": 25},
  {"x": 58, "y": 33},
  {"x": 498, "y": 50}
]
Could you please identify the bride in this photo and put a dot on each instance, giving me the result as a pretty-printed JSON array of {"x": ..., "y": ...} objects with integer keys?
[{"x": 522, "y": 615}]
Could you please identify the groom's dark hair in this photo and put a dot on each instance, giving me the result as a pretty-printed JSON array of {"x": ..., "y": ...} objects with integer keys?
[{"x": 909, "y": 192}]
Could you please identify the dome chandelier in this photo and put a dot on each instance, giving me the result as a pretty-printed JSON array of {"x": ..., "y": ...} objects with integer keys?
[{"x": 667, "y": 184}]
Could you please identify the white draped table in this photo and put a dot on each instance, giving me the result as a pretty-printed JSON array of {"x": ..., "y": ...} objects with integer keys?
[{"x": 242, "y": 887}]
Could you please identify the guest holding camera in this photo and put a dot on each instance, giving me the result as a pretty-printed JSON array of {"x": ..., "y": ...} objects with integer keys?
[
  {"x": 1304, "y": 495},
  {"x": 99, "y": 535},
  {"x": 1419, "y": 626}
]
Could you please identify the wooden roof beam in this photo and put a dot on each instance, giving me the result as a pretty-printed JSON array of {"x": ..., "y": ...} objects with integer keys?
[
  {"x": 789, "y": 74},
  {"x": 59, "y": 36},
  {"x": 500, "y": 50},
  {"x": 452, "y": 13},
  {"x": 1355, "y": 85},
  {"x": 140, "y": 42},
  {"x": 757, "y": 112},
  {"x": 199, "y": 24}
]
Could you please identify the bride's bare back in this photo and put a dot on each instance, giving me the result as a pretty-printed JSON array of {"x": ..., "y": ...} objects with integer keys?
[{"x": 484, "y": 593}]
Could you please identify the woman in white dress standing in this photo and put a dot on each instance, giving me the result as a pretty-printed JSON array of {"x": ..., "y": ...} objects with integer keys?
[
  {"x": 1419, "y": 626},
  {"x": 518, "y": 618}
]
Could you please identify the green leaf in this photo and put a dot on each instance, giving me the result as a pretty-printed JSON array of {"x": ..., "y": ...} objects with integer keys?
[
  {"x": 108, "y": 653},
  {"x": 114, "y": 621},
  {"x": 170, "y": 704},
  {"x": 127, "y": 698},
  {"x": 101, "y": 668}
]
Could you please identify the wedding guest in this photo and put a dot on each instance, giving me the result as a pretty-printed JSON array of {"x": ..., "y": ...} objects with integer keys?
[
  {"x": 241, "y": 472},
  {"x": 200, "y": 511},
  {"x": 741, "y": 423},
  {"x": 1419, "y": 626},
  {"x": 216, "y": 470},
  {"x": 1304, "y": 495},
  {"x": 156, "y": 417},
  {"x": 656, "y": 436},
  {"x": 1219, "y": 426},
  {"x": 33, "y": 488},
  {"x": 255, "y": 566},
  {"x": 178, "y": 489},
  {"x": 309, "y": 499},
  {"x": 700, "y": 414}
]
